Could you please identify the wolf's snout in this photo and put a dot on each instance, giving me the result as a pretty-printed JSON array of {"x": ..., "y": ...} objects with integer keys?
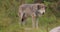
[{"x": 43, "y": 13}]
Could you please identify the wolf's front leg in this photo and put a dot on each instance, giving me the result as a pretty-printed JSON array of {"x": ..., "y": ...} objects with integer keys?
[{"x": 33, "y": 20}]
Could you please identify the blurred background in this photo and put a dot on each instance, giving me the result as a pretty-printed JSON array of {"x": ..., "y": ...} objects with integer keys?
[{"x": 9, "y": 20}]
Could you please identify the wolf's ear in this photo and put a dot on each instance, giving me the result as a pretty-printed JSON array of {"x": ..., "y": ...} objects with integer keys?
[{"x": 38, "y": 7}]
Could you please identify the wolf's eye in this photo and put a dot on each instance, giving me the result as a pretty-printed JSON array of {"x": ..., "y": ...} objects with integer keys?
[{"x": 42, "y": 6}]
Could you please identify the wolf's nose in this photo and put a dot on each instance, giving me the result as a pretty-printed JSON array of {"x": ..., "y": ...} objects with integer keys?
[{"x": 43, "y": 13}]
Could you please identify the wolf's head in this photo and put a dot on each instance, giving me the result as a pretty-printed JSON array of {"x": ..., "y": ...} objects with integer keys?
[{"x": 41, "y": 9}]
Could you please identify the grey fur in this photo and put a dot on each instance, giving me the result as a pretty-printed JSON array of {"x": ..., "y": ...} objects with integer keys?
[{"x": 33, "y": 10}]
